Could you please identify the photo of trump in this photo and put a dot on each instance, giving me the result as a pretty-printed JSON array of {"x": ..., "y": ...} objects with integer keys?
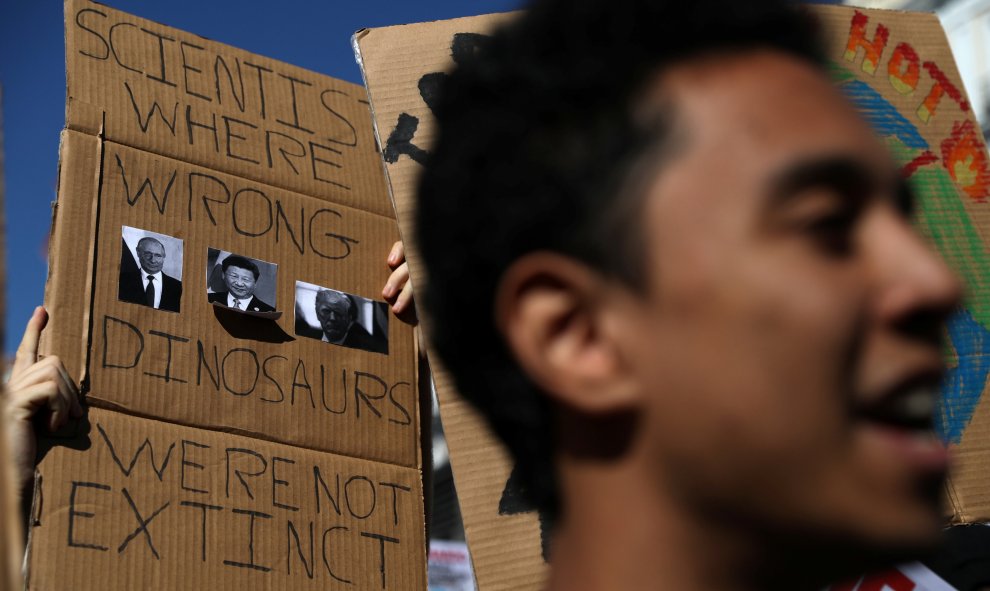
[
  {"x": 150, "y": 269},
  {"x": 341, "y": 318}
]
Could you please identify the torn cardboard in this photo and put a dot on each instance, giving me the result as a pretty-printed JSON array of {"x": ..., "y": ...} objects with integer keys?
[
  {"x": 895, "y": 66},
  {"x": 198, "y": 184}
]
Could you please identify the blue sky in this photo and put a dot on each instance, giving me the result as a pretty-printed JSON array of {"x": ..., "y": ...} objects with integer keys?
[{"x": 314, "y": 35}]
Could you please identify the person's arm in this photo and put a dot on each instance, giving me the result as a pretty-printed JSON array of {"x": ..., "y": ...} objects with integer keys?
[{"x": 35, "y": 388}]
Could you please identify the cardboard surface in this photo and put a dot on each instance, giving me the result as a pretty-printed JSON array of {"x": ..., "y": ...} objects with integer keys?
[
  {"x": 896, "y": 67},
  {"x": 147, "y": 504},
  {"x": 216, "y": 266}
]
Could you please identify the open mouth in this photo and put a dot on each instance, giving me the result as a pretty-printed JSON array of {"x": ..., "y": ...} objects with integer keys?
[{"x": 910, "y": 409}]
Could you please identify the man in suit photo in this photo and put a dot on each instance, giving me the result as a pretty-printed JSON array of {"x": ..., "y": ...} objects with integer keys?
[
  {"x": 148, "y": 285},
  {"x": 337, "y": 314},
  {"x": 240, "y": 275}
]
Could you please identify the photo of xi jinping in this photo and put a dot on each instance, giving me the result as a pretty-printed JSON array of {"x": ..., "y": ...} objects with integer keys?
[
  {"x": 150, "y": 269},
  {"x": 240, "y": 282},
  {"x": 341, "y": 318}
]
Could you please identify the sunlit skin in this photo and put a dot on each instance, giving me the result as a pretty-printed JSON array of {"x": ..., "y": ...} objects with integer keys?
[
  {"x": 151, "y": 254},
  {"x": 333, "y": 310},
  {"x": 240, "y": 282},
  {"x": 724, "y": 404}
]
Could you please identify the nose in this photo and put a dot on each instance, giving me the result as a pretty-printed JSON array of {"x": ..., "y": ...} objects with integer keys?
[{"x": 914, "y": 281}]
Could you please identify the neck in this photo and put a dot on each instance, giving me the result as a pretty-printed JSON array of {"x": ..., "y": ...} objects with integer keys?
[{"x": 618, "y": 530}]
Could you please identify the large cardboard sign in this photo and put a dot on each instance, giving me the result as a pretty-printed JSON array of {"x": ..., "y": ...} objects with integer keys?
[
  {"x": 217, "y": 260},
  {"x": 896, "y": 67}
]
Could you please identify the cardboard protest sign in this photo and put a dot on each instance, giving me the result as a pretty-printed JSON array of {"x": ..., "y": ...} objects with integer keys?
[
  {"x": 184, "y": 508},
  {"x": 199, "y": 187},
  {"x": 896, "y": 67}
]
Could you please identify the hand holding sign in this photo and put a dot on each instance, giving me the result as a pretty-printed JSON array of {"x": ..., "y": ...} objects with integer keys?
[
  {"x": 398, "y": 289},
  {"x": 35, "y": 387}
]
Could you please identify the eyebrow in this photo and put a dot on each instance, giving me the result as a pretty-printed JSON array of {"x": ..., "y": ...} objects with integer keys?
[{"x": 845, "y": 175}]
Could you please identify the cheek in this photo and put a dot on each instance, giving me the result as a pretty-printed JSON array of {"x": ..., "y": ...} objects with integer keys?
[{"x": 748, "y": 371}]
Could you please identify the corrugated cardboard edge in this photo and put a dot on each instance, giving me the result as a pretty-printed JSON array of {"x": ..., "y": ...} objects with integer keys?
[{"x": 74, "y": 223}]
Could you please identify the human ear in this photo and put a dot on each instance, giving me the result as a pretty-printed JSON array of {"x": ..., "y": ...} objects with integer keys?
[{"x": 555, "y": 315}]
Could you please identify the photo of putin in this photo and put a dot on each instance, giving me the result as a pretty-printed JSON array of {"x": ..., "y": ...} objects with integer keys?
[
  {"x": 240, "y": 278},
  {"x": 336, "y": 317},
  {"x": 143, "y": 281}
]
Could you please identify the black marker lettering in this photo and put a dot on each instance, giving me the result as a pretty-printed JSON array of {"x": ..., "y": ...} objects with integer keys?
[
  {"x": 276, "y": 482},
  {"x": 363, "y": 395},
  {"x": 326, "y": 561},
  {"x": 154, "y": 107},
  {"x": 73, "y": 514},
  {"x": 142, "y": 527},
  {"x": 191, "y": 123},
  {"x": 301, "y": 153},
  {"x": 186, "y": 68},
  {"x": 203, "y": 508},
  {"x": 231, "y": 136},
  {"x": 159, "y": 470},
  {"x": 230, "y": 79},
  {"x": 381, "y": 545},
  {"x": 319, "y": 483},
  {"x": 295, "y": 105},
  {"x": 106, "y": 46},
  {"x": 251, "y": 563},
  {"x": 291, "y": 531},
  {"x": 204, "y": 362},
  {"x": 357, "y": 495},
  {"x": 253, "y": 381},
  {"x": 161, "y": 57},
  {"x": 146, "y": 184},
  {"x": 395, "y": 506},
  {"x": 185, "y": 462},
  {"x": 167, "y": 376},
  {"x": 266, "y": 207},
  {"x": 268, "y": 376},
  {"x": 118, "y": 339},
  {"x": 240, "y": 475}
]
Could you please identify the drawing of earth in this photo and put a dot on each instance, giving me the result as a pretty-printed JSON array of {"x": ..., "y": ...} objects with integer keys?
[{"x": 942, "y": 218}]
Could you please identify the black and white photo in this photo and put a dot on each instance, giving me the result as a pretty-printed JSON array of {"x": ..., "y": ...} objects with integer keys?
[
  {"x": 341, "y": 318},
  {"x": 150, "y": 269},
  {"x": 240, "y": 283}
]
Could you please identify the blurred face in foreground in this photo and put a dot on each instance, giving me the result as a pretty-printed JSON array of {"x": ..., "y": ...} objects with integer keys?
[{"x": 786, "y": 344}]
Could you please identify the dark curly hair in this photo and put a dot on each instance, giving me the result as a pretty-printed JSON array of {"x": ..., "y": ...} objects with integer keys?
[{"x": 535, "y": 145}]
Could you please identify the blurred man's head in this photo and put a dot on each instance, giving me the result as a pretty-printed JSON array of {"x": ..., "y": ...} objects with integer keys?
[
  {"x": 151, "y": 255},
  {"x": 240, "y": 275},
  {"x": 336, "y": 312},
  {"x": 678, "y": 226}
]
